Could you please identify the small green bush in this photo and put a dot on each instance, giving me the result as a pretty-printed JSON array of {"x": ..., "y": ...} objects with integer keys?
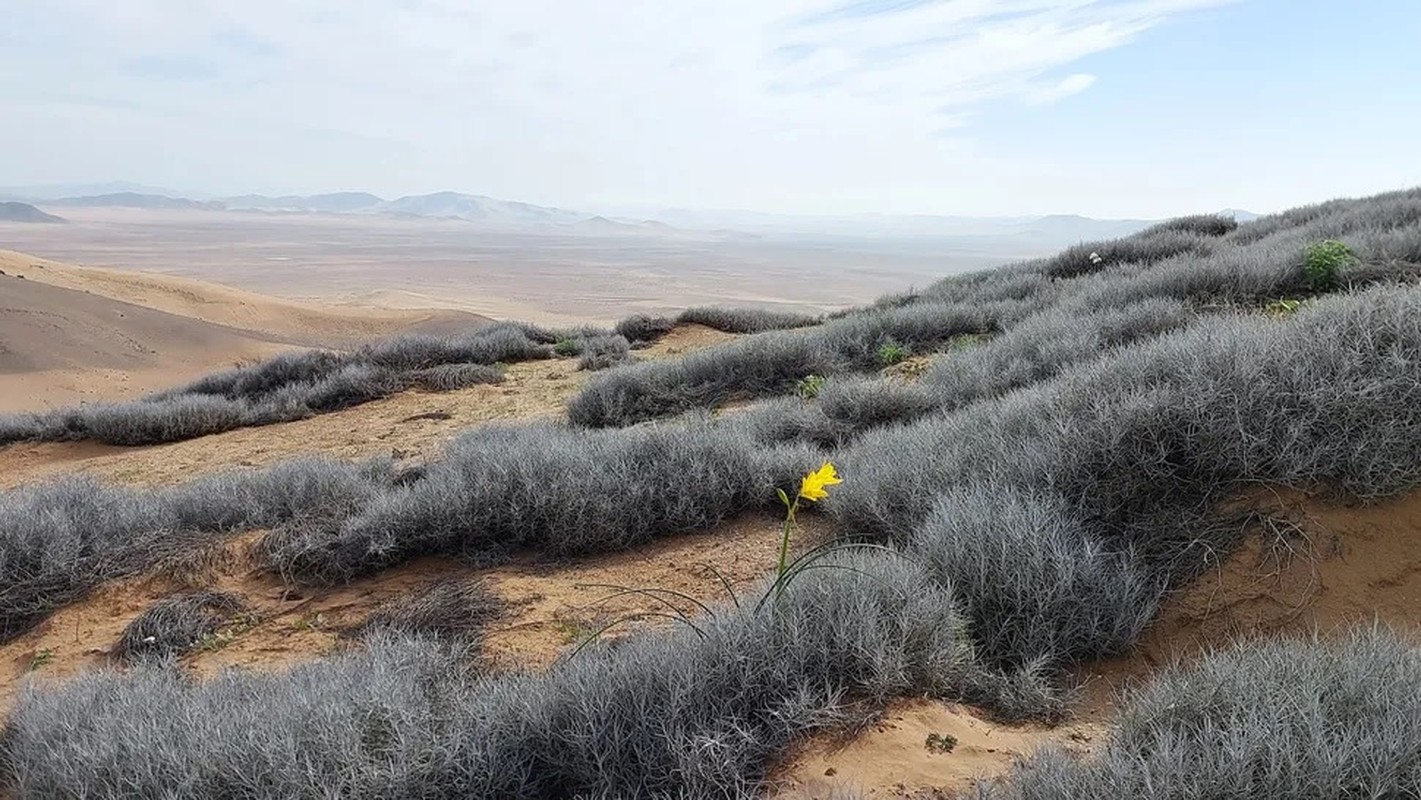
[
  {"x": 1324, "y": 261},
  {"x": 891, "y": 353},
  {"x": 810, "y": 386},
  {"x": 966, "y": 340},
  {"x": 941, "y": 742},
  {"x": 566, "y": 347}
]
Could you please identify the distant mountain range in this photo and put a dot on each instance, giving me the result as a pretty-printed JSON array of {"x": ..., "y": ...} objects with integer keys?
[
  {"x": 24, "y": 212},
  {"x": 132, "y": 200},
  {"x": 337, "y": 203},
  {"x": 55, "y": 191},
  {"x": 1052, "y": 230}
]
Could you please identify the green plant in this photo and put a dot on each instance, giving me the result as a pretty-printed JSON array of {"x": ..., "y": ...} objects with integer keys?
[
  {"x": 212, "y": 642},
  {"x": 41, "y": 658},
  {"x": 565, "y": 347},
  {"x": 813, "y": 488},
  {"x": 966, "y": 340},
  {"x": 810, "y": 386},
  {"x": 891, "y": 353},
  {"x": 1323, "y": 261},
  {"x": 1283, "y": 307},
  {"x": 941, "y": 742}
]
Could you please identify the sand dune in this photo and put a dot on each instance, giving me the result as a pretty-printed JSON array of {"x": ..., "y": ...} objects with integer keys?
[
  {"x": 291, "y": 320},
  {"x": 70, "y": 334}
]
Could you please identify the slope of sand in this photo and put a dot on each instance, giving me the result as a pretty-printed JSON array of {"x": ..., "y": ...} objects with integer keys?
[
  {"x": 62, "y": 345},
  {"x": 72, "y": 334},
  {"x": 288, "y": 320}
]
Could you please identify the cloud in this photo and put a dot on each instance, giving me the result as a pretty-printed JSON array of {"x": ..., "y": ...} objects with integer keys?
[
  {"x": 1071, "y": 84},
  {"x": 701, "y": 102}
]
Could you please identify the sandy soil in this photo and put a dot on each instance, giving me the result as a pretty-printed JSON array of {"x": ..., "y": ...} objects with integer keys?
[
  {"x": 63, "y": 345},
  {"x": 903, "y": 754},
  {"x": 1333, "y": 567},
  {"x": 72, "y": 334},
  {"x": 278, "y": 317}
]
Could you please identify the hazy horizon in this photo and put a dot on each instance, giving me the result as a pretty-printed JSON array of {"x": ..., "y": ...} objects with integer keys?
[
  {"x": 1103, "y": 108},
  {"x": 41, "y": 193}
]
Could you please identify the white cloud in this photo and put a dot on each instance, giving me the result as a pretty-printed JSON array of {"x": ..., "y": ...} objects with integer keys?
[
  {"x": 771, "y": 103},
  {"x": 1070, "y": 85}
]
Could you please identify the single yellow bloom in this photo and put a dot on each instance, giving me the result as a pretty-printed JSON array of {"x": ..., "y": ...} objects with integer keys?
[{"x": 812, "y": 487}]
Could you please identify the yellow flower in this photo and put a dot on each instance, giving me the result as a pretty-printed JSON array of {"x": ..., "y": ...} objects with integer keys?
[{"x": 812, "y": 487}]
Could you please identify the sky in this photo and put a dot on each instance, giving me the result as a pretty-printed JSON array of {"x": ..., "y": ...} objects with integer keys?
[{"x": 1107, "y": 108}]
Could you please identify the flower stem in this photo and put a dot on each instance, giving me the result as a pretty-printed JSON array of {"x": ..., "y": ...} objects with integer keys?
[{"x": 784, "y": 541}]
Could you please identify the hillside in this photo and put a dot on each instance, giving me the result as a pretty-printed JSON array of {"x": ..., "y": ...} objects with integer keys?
[
  {"x": 61, "y": 345},
  {"x": 301, "y": 323},
  {"x": 24, "y": 212},
  {"x": 1139, "y": 519},
  {"x": 72, "y": 333}
]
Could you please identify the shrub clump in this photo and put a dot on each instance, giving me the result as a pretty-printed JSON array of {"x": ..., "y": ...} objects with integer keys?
[
  {"x": 453, "y": 610},
  {"x": 746, "y": 320},
  {"x": 177, "y": 625},
  {"x": 890, "y": 353},
  {"x": 541, "y": 486},
  {"x": 1038, "y": 588},
  {"x": 1323, "y": 264},
  {"x": 1202, "y": 224},
  {"x": 643, "y": 329},
  {"x": 1277, "y": 720},
  {"x": 60, "y": 539},
  {"x": 1144, "y": 248},
  {"x": 775, "y": 362},
  {"x": 602, "y": 352},
  {"x": 448, "y": 377}
]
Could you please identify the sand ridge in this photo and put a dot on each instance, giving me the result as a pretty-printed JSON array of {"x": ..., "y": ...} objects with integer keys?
[
  {"x": 309, "y": 323},
  {"x": 72, "y": 334}
]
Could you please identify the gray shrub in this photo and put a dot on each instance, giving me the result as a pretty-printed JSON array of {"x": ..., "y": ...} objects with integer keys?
[
  {"x": 745, "y": 320},
  {"x": 684, "y": 713},
  {"x": 1290, "y": 719},
  {"x": 176, "y": 625},
  {"x": 298, "y": 385}
]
